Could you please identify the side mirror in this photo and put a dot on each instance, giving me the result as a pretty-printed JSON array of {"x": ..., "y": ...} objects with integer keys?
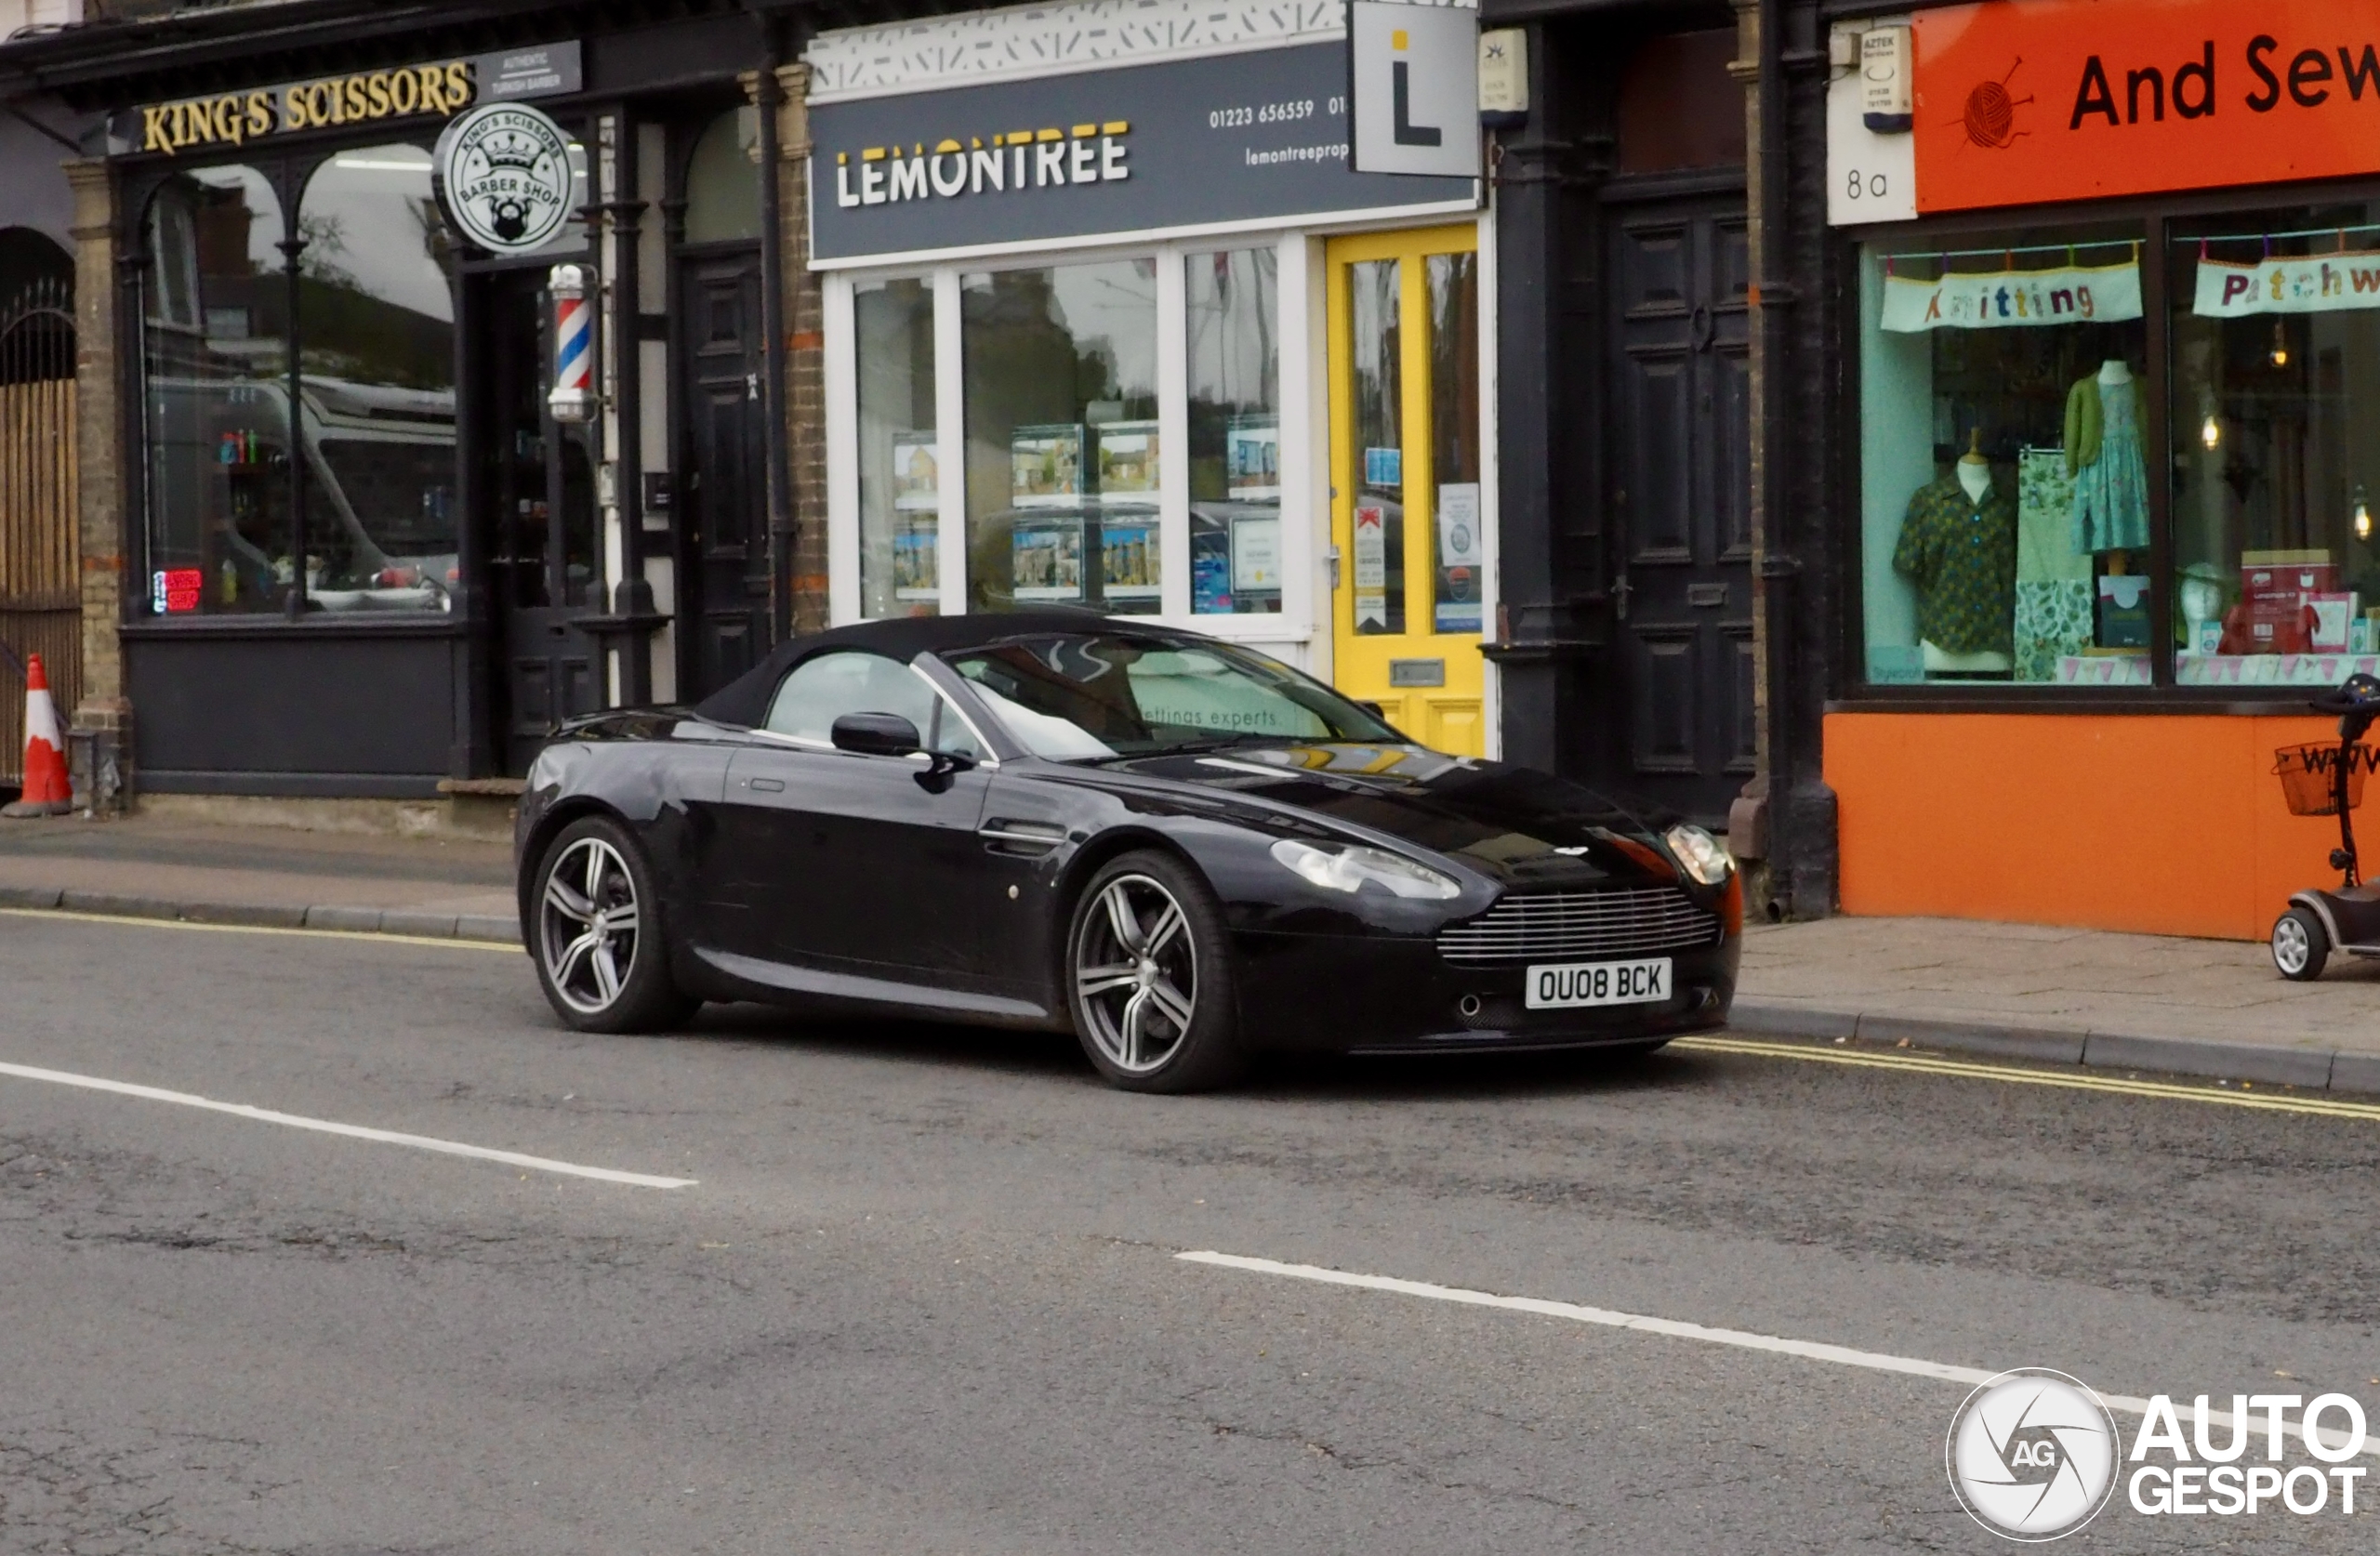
[{"x": 876, "y": 734}]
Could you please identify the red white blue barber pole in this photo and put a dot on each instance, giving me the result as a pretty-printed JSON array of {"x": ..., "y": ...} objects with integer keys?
[{"x": 570, "y": 398}]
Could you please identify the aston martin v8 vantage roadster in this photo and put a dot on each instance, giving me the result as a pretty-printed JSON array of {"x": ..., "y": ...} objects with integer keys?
[{"x": 1182, "y": 851}]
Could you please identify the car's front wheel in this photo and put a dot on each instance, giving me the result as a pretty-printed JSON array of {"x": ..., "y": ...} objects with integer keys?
[
  {"x": 597, "y": 933},
  {"x": 1149, "y": 975}
]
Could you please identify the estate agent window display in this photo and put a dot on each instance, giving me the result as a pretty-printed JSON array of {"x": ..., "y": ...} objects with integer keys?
[{"x": 1110, "y": 412}]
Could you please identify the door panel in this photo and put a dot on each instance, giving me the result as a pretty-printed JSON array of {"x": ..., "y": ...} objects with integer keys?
[
  {"x": 1679, "y": 457},
  {"x": 725, "y": 486},
  {"x": 1405, "y": 481},
  {"x": 854, "y": 866},
  {"x": 536, "y": 486}
]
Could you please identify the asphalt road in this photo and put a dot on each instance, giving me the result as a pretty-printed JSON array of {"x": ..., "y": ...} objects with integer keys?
[{"x": 923, "y": 1295}]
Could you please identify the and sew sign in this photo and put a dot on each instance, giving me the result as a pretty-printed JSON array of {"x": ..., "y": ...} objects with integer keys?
[
  {"x": 2013, "y": 299},
  {"x": 2024, "y": 101},
  {"x": 2324, "y": 284}
]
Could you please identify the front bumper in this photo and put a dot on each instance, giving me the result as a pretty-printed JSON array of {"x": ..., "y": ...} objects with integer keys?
[{"x": 1384, "y": 993}]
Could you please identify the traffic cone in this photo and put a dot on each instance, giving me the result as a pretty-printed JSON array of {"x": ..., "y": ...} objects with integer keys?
[{"x": 48, "y": 793}]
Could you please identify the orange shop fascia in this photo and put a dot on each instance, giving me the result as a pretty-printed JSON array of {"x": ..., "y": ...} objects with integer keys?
[{"x": 2157, "y": 822}]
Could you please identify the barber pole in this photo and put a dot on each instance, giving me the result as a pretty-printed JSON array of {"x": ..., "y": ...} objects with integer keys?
[{"x": 573, "y": 344}]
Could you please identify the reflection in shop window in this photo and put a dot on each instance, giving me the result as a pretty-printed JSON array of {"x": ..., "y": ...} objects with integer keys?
[
  {"x": 1458, "y": 547},
  {"x": 215, "y": 396},
  {"x": 2275, "y": 424},
  {"x": 900, "y": 458},
  {"x": 1234, "y": 354},
  {"x": 1062, "y": 452},
  {"x": 375, "y": 314},
  {"x": 2006, "y": 497},
  {"x": 1377, "y": 401},
  {"x": 723, "y": 179}
]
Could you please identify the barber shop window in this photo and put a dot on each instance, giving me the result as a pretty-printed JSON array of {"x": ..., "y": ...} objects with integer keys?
[
  {"x": 2004, "y": 459},
  {"x": 2275, "y": 446},
  {"x": 376, "y": 312},
  {"x": 1064, "y": 459},
  {"x": 215, "y": 405}
]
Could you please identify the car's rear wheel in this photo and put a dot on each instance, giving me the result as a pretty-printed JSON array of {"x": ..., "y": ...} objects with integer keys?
[
  {"x": 1149, "y": 974},
  {"x": 599, "y": 948}
]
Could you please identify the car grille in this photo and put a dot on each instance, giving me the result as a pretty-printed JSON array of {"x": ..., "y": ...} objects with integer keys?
[{"x": 1567, "y": 925}]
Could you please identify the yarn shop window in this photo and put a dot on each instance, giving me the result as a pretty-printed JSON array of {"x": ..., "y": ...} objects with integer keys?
[
  {"x": 2005, "y": 499},
  {"x": 2275, "y": 446}
]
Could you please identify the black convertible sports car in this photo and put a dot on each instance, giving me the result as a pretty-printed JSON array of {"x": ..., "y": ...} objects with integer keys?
[{"x": 1180, "y": 851}]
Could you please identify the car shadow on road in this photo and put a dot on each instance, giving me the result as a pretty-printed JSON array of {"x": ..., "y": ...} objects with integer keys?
[{"x": 1283, "y": 1077}]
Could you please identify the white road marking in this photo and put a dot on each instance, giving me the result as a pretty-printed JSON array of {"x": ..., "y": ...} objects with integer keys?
[
  {"x": 1842, "y": 1355},
  {"x": 353, "y": 1131}
]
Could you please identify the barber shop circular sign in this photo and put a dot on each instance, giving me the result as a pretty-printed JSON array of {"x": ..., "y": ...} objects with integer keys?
[{"x": 503, "y": 173}]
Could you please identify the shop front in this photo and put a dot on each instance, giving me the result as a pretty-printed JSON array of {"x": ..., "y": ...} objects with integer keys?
[
  {"x": 2110, "y": 295},
  {"x": 1131, "y": 333},
  {"x": 366, "y": 550}
]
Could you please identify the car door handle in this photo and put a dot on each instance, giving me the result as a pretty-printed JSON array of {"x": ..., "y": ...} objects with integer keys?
[{"x": 768, "y": 786}]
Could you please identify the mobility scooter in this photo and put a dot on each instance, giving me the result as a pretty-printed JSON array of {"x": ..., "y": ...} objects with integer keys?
[{"x": 2328, "y": 781}]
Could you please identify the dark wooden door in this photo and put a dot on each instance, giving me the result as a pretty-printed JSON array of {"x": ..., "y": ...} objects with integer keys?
[
  {"x": 725, "y": 485},
  {"x": 542, "y": 571},
  {"x": 1681, "y": 709}
]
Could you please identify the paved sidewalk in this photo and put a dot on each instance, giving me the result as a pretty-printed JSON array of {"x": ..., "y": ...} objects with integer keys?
[
  {"x": 2210, "y": 1007},
  {"x": 270, "y": 877}
]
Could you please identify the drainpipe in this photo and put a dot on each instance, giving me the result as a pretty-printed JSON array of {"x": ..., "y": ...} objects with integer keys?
[{"x": 769, "y": 96}]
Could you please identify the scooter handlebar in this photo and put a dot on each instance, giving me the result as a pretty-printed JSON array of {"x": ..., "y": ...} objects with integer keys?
[{"x": 2358, "y": 694}]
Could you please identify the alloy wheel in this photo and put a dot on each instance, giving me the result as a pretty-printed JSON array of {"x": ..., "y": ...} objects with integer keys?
[
  {"x": 588, "y": 926},
  {"x": 1136, "y": 974}
]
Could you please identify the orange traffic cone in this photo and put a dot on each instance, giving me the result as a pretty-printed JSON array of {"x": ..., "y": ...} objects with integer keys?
[{"x": 48, "y": 792}]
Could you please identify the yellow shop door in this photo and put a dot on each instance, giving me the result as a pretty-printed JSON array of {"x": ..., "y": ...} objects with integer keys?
[{"x": 1405, "y": 468}]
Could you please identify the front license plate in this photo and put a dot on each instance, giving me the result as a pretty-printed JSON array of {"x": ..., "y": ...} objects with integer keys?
[{"x": 1575, "y": 985}]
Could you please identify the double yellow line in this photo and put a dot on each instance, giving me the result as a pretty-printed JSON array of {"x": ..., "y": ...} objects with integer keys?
[{"x": 2243, "y": 1095}]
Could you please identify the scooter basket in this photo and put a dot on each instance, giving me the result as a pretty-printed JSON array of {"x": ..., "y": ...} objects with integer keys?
[{"x": 2308, "y": 777}]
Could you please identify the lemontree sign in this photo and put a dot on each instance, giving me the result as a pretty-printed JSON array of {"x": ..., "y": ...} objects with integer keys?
[{"x": 503, "y": 176}]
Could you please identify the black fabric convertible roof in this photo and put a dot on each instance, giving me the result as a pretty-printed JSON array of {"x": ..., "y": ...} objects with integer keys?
[{"x": 744, "y": 699}]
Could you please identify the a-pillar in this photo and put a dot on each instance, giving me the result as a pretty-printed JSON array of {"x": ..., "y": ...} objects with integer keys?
[{"x": 100, "y": 732}]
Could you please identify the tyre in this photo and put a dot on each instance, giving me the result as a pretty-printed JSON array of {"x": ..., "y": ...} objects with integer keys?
[
  {"x": 597, "y": 939},
  {"x": 2300, "y": 944},
  {"x": 1149, "y": 978}
]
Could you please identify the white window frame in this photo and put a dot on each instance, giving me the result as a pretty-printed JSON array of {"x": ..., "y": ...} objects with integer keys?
[{"x": 1305, "y": 521}]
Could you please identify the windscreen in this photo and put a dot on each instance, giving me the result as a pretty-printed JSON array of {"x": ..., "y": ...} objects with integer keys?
[{"x": 1083, "y": 697}]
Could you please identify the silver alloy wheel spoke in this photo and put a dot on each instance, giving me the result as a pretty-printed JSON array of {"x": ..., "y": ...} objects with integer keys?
[
  {"x": 569, "y": 903},
  {"x": 1099, "y": 979},
  {"x": 1119, "y": 915},
  {"x": 1169, "y": 924},
  {"x": 572, "y": 953},
  {"x": 1168, "y": 998},
  {"x": 1136, "y": 1015},
  {"x": 1136, "y": 974}
]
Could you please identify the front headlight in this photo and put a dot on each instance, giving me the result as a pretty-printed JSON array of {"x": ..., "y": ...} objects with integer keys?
[
  {"x": 1698, "y": 853},
  {"x": 1345, "y": 867}
]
